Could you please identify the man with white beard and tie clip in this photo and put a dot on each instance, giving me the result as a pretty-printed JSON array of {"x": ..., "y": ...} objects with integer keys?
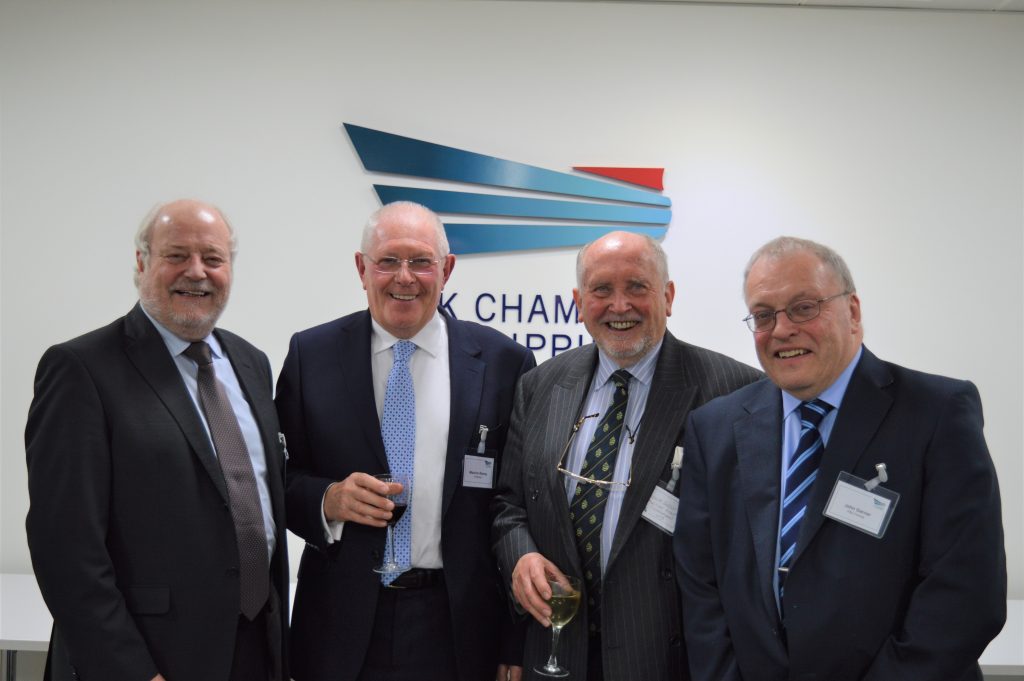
[
  {"x": 399, "y": 388},
  {"x": 156, "y": 479},
  {"x": 840, "y": 521}
]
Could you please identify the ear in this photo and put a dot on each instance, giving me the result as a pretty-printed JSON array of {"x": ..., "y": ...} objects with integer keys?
[
  {"x": 446, "y": 269},
  {"x": 855, "y": 312},
  {"x": 361, "y": 268},
  {"x": 670, "y": 295},
  {"x": 579, "y": 306},
  {"x": 140, "y": 262}
]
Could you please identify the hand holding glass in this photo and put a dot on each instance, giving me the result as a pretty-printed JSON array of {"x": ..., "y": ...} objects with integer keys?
[
  {"x": 564, "y": 602},
  {"x": 391, "y": 566}
]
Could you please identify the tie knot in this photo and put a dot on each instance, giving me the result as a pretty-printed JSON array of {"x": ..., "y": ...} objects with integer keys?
[
  {"x": 621, "y": 379},
  {"x": 814, "y": 411},
  {"x": 403, "y": 350},
  {"x": 200, "y": 353}
]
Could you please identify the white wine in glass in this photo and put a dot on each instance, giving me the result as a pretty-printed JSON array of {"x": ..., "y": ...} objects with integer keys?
[{"x": 564, "y": 602}]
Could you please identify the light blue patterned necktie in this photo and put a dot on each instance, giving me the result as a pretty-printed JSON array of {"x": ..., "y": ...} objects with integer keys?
[{"x": 398, "y": 429}]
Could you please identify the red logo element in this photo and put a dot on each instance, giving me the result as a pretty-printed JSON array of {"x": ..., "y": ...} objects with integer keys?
[{"x": 645, "y": 177}]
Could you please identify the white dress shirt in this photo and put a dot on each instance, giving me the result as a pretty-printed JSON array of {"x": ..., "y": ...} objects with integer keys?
[{"x": 432, "y": 385}]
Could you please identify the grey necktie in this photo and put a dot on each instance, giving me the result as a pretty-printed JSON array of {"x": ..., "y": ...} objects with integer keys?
[{"x": 233, "y": 455}]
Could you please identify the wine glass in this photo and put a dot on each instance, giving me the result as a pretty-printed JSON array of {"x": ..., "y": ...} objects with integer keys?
[
  {"x": 564, "y": 602},
  {"x": 391, "y": 566}
]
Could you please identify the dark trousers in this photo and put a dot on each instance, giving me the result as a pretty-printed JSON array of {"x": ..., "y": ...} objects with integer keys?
[
  {"x": 251, "y": 660},
  {"x": 412, "y": 637},
  {"x": 595, "y": 664}
]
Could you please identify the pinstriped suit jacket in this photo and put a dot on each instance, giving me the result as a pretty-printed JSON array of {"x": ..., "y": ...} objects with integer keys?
[{"x": 641, "y": 618}]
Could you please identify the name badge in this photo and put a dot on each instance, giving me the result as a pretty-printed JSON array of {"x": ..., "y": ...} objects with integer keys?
[
  {"x": 861, "y": 504},
  {"x": 478, "y": 471},
  {"x": 661, "y": 509}
]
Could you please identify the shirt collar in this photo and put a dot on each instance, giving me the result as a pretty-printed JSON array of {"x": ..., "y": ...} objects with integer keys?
[
  {"x": 430, "y": 339},
  {"x": 176, "y": 345},
  {"x": 642, "y": 371},
  {"x": 832, "y": 394}
]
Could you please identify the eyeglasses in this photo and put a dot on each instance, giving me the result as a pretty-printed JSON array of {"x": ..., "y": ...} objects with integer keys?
[
  {"x": 799, "y": 312},
  {"x": 389, "y": 265},
  {"x": 603, "y": 484}
]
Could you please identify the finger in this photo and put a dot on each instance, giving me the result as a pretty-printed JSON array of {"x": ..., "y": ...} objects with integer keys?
[{"x": 515, "y": 673}]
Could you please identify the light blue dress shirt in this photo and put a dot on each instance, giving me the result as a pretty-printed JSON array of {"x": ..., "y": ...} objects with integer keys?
[
  {"x": 791, "y": 436},
  {"x": 189, "y": 371},
  {"x": 597, "y": 402}
]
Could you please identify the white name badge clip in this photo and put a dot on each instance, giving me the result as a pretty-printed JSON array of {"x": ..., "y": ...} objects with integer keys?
[
  {"x": 663, "y": 506},
  {"x": 863, "y": 504}
]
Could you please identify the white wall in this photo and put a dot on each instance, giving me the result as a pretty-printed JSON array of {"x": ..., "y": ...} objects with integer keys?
[{"x": 896, "y": 137}]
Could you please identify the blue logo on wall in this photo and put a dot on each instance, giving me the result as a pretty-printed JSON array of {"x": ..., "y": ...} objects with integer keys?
[{"x": 580, "y": 220}]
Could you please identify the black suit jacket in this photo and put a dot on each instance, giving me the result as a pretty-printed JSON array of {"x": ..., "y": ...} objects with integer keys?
[
  {"x": 641, "y": 629},
  {"x": 920, "y": 603},
  {"x": 129, "y": 527},
  {"x": 326, "y": 403}
]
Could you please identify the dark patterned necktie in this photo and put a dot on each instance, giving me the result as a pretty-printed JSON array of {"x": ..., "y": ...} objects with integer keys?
[
  {"x": 233, "y": 455},
  {"x": 588, "y": 503},
  {"x": 800, "y": 476}
]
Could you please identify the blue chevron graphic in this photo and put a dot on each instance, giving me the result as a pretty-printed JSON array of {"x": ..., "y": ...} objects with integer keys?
[
  {"x": 389, "y": 153},
  {"x": 513, "y": 206}
]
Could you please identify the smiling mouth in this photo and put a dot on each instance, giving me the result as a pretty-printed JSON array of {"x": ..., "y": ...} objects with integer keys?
[
  {"x": 192, "y": 294},
  {"x": 622, "y": 326},
  {"x": 787, "y": 354},
  {"x": 403, "y": 296}
]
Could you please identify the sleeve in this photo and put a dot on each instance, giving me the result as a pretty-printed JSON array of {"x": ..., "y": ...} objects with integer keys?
[
  {"x": 959, "y": 603},
  {"x": 708, "y": 643},
  {"x": 69, "y": 459},
  {"x": 304, "y": 491},
  {"x": 510, "y": 531}
]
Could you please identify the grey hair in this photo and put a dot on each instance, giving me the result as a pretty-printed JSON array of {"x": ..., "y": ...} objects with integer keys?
[
  {"x": 656, "y": 252},
  {"x": 440, "y": 238},
  {"x": 144, "y": 235},
  {"x": 787, "y": 245}
]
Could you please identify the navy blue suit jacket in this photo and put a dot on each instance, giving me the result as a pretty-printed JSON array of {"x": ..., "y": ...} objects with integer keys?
[
  {"x": 326, "y": 405},
  {"x": 920, "y": 603}
]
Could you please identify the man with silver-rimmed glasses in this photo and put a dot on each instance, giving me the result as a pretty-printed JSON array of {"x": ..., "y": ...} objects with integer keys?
[
  {"x": 399, "y": 388},
  {"x": 842, "y": 520},
  {"x": 585, "y": 487}
]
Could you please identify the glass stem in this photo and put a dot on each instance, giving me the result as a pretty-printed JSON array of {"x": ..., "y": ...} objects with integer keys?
[
  {"x": 391, "y": 545},
  {"x": 553, "y": 659}
]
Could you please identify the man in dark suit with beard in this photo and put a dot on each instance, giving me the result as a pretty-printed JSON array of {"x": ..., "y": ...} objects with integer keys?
[
  {"x": 156, "y": 479},
  {"x": 595, "y": 436}
]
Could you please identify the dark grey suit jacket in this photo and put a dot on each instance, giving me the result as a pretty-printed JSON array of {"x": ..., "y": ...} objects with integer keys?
[
  {"x": 641, "y": 627},
  {"x": 920, "y": 603},
  {"x": 129, "y": 527}
]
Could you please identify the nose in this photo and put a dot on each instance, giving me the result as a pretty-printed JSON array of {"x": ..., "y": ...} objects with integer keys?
[
  {"x": 195, "y": 268},
  {"x": 404, "y": 275},
  {"x": 784, "y": 328},
  {"x": 619, "y": 303}
]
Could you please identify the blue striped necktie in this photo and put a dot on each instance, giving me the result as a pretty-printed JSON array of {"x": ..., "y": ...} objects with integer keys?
[
  {"x": 800, "y": 476},
  {"x": 398, "y": 430}
]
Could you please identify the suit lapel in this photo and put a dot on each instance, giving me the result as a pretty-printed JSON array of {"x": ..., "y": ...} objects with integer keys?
[
  {"x": 147, "y": 351},
  {"x": 353, "y": 350},
  {"x": 758, "y": 452},
  {"x": 565, "y": 407},
  {"x": 466, "y": 371},
  {"x": 669, "y": 400},
  {"x": 864, "y": 407}
]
